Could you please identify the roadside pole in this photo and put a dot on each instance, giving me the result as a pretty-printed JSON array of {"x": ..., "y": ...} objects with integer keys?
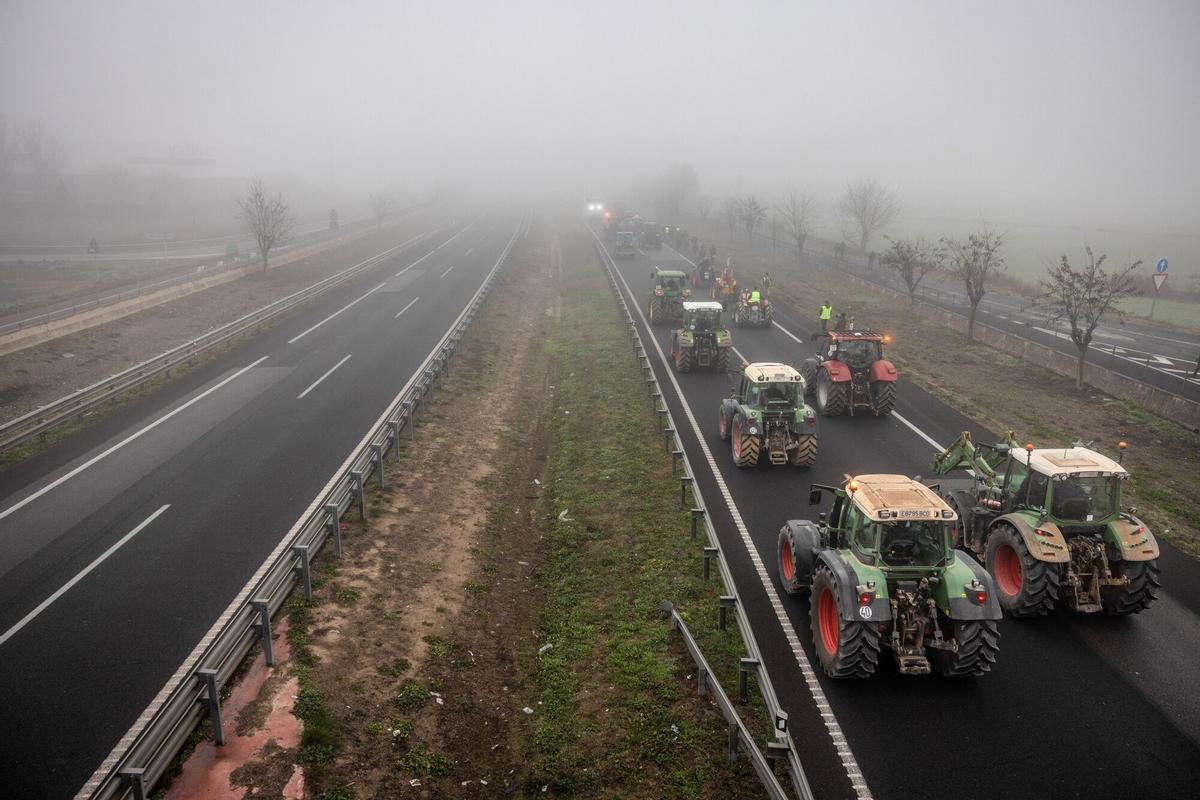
[{"x": 1160, "y": 277}]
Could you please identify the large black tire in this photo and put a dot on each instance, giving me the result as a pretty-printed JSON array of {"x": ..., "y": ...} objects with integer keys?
[
  {"x": 832, "y": 398},
  {"x": 768, "y": 312},
  {"x": 1025, "y": 586},
  {"x": 788, "y": 575},
  {"x": 883, "y": 397},
  {"x": 738, "y": 317},
  {"x": 845, "y": 649},
  {"x": 683, "y": 361},
  {"x": 1135, "y": 596},
  {"x": 808, "y": 371},
  {"x": 745, "y": 446},
  {"x": 721, "y": 364},
  {"x": 655, "y": 311},
  {"x": 725, "y": 423},
  {"x": 978, "y": 644},
  {"x": 805, "y": 453}
]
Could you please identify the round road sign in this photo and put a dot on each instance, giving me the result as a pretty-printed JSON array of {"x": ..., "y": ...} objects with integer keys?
[{"x": 1161, "y": 266}]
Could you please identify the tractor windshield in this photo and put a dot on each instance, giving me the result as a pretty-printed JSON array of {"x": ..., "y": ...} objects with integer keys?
[
  {"x": 779, "y": 394},
  {"x": 1085, "y": 497},
  {"x": 858, "y": 354},
  {"x": 912, "y": 543},
  {"x": 705, "y": 319}
]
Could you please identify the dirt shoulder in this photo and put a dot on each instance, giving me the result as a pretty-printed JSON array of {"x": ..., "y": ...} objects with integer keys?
[
  {"x": 1003, "y": 393},
  {"x": 493, "y": 627},
  {"x": 37, "y": 375}
]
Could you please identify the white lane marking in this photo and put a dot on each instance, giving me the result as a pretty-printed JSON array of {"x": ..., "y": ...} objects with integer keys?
[
  {"x": 42, "y": 606},
  {"x": 334, "y": 314},
  {"x": 323, "y": 377},
  {"x": 469, "y": 251},
  {"x": 125, "y": 441},
  {"x": 806, "y": 668},
  {"x": 460, "y": 233},
  {"x": 418, "y": 261},
  {"x": 447, "y": 272},
  {"x": 406, "y": 308}
]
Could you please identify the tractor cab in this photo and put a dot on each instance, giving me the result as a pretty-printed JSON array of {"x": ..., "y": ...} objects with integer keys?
[
  {"x": 858, "y": 350},
  {"x": 702, "y": 317},
  {"x": 1071, "y": 485}
]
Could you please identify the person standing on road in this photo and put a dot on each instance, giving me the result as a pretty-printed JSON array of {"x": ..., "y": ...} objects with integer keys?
[
  {"x": 839, "y": 324},
  {"x": 826, "y": 313},
  {"x": 1196, "y": 369},
  {"x": 767, "y": 283}
]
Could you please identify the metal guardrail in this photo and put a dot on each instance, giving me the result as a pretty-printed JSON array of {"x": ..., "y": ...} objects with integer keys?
[
  {"x": 143, "y": 755},
  {"x": 37, "y": 422},
  {"x": 782, "y": 746}
]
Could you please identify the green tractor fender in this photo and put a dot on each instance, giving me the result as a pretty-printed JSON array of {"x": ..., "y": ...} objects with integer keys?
[
  {"x": 1044, "y": 542},
  {"x": 685, "y": 337},
  {"x": 951, "y": 593},
  {"x": 805, "y": 420},
  {"x": 722, "y": 338},
  {"x": 851, "y": 574},
  {"x": 1132, "y": 538}
]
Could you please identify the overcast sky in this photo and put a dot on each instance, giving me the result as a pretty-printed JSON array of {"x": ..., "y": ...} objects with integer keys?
[{"x": 1076, "y": 112}]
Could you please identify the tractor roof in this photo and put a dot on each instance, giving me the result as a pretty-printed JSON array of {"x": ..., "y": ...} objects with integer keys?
[
  {"x": 769, "y": 371},
  {"x": 884, "y": 498},
  {"x": 702, "y": 305},
  {"x": 670, "y": 273},
  {"x": 1071, "y": 461},
  {"x": 849, "y": 336}
]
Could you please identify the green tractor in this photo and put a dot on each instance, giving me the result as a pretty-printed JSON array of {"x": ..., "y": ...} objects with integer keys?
[
  {"x": 767, "y": 412},
  {"x": 666, "y": 302},
  {"x": 882, "y": 571},
  {"x": 703, "y": 340},
  {"x": 1049, "y": 526}
]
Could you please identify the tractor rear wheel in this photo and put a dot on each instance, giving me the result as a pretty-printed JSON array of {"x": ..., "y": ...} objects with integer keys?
[
  {"x": 805, "y": 452},
  {"x": 978, "y": 643},
  {"x": 767, "y": 315},
  {"x": 745, "y": 445},
  {"x": 656, "y": 312},
  {"x": 788, "y": 574},
  {"x": 832, "y": 400},
  {"x": 1025, "y": 586},
  {"x": 845, "y": 649},
  {"x": 1135, "y": 596},
  {"x": 722, "y": 362},
  {"x": 683, "y": 360},
  {"x": 883, "y": 397}
]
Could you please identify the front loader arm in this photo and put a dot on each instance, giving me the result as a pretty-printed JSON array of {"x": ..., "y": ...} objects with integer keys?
[{"x": 964, "y": 454}]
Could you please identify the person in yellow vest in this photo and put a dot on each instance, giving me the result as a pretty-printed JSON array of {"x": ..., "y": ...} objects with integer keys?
[
  {"x": 754, "y": 295},
  {"x": 826, "y": 313}
]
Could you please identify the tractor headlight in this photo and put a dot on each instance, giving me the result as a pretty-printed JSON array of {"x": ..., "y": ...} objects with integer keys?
[
  {"x": 753, "y": 430},
  {"x": 885, "y": 514}
]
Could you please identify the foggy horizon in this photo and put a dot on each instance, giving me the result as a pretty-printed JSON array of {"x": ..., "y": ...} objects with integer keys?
[{"x": 1075, "y": 113}]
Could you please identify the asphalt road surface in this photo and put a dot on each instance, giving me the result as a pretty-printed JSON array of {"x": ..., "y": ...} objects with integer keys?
[
  {"x": 1078, "y": 705},
  {"x": 124, "y": 543}
]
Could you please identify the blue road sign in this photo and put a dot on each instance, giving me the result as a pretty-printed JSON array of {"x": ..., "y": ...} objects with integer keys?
[{"x": 1161, "y": 266}]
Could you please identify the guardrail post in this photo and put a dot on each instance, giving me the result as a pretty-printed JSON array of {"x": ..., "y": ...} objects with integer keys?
[
  {"x": 304, "y": 568},
  {"x": 377, "y": 453},
  {"x": 667, "y": 434},
  {"x": 684, "y": 482},
  {"x": 733, "y": 741},
  {"x": 676, "y": 458},
  {"x": 781, "y": 723},
  {"x": 407, "y": 405},
  {"x": 263, "y": 607},
  {"x": 356, "y": 481},
  {"x": 214, "y": 703},
  {"x": 655, "y": 398},
  {"x": 697, "y": 515},
  {"x": 662, "y": 417},
  {"x": 727, "y": 601},
  {"x": 709, "y": 554},
  {"x": 135, "y": 779},
  {"x": 393, "y": 428},
  {"x": 701, "y": 682},
  {"x": 334, "y": 526},
  {"x": 745, "y": 667}
]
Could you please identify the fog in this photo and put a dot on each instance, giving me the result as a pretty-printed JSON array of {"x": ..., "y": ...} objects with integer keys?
[{"x": 1071, "y": 113}]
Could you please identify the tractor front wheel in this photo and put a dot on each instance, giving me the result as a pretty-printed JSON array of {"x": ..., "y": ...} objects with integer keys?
[
  {"x": 883, "y": 397},
  {"x": 788, "y": 575},
  {"x": 1025, "y": 586},
  {"x": 805, "y": 452},
  {"x": 832, "y": 399},
  {"x": 745, "y": 445},
  {"x": 978, "y": 643},
  {"x": 845, "y": 649},
  {"x": 724, "y": 425},
  {"x": 1137, "y": 594}
]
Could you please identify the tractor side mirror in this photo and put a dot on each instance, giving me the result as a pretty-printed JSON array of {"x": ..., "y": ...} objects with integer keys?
[{"x": 814, "y": 498}]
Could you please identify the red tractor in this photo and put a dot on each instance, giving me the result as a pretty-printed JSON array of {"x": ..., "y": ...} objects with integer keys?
[{"x": 850, "y": 372}]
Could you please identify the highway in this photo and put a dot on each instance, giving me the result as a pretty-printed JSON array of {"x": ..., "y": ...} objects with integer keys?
[
  {"x": 124, "y": 543},
  {"x": 1078, "y": 706}
]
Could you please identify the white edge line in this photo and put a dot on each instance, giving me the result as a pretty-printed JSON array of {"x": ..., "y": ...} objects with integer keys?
[
  {"x": 125, "y": 441},
  {"x": 801, "y": 657},
  {"x": 334, "y": 314},
  {"x": 42, "y": 606},
  {"x": 406, "y": 308},
  {"x": 323, "y": 377}
]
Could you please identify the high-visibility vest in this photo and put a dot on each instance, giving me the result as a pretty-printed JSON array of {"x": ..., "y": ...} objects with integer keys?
[
  {"x": 754, "y": 298},
  {"x": 826, "y": 312}
]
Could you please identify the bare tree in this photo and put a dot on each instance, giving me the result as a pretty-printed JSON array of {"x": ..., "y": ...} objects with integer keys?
[
  {"x": 752, "y": 214},
  {"x": 912, "y": 259},
  {"x": 774, "y": 228},
  {"x": 381, "y": 206},
  {"x": 799, "y": 212},
  {"x": 868, "y": 207},
  {"x": 267, "y": 217},
  {"x": 973, "y": 261},
  {"x": 1082, "y": 297},
  {"x": 733, "y": 212}
]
